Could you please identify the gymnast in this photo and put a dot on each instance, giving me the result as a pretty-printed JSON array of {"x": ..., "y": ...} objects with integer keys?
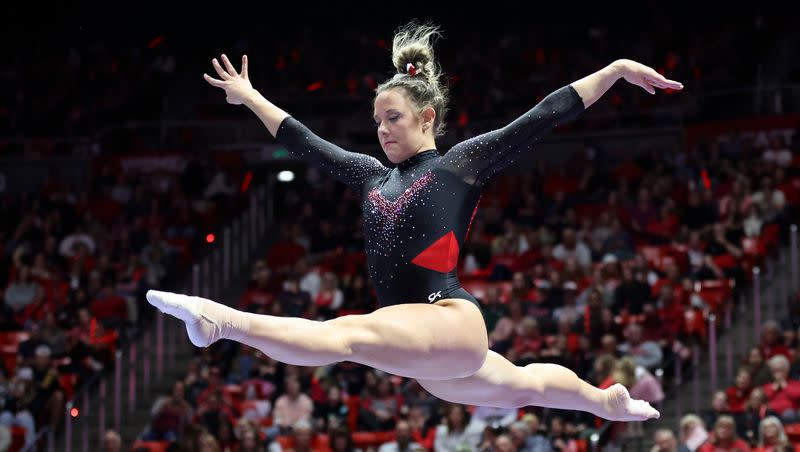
[{"x": 416, "y": 218}]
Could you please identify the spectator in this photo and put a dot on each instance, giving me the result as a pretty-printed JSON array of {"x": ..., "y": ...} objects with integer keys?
[
  {"x": 647, "y": 354},
  {"x": 770, "y": 200},
  {"x": 332, "y": 412},
  {"x": 18, "y": 409},
  {"x": 755, "y": 410},
  {"x": 170, "y": 414},
  {"x": 724, "y": 437},
  {"x": 23, "y": 291},
  {"x": 783, "y": 394},
  {"x": 693, "y": 433},
  {"x": 719, "y": 407},
  {"x": 772, "y": 437},
  {"x": 740, "y": 391},
  {"x": 458, "y": 431},
  {"x": 112, "y": 442},
  {"x": 571, "y": 247},
  {"x": 340, "y": 440},
  {"x": 293, "y": 406},
  {"x": 380, "y": 409},
  {"x": 665, "y": 442},
  {"x": 758, "y": 369},
  {"x": 403, "y": 441}
]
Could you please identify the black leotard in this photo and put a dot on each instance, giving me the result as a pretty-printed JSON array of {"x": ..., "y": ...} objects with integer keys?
[{"x": 417, "y": 215}]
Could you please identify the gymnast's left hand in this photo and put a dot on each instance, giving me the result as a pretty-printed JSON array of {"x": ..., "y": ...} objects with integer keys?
[{"x": 646, "y": 77}]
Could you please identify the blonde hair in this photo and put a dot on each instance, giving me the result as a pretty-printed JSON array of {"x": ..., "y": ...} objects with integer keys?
[
  {"x": 625, "y": 372},
  {"x": 772, "y": 420},
  {"x": 692, "y": 418},
  {"x": 413, "y": 43}
]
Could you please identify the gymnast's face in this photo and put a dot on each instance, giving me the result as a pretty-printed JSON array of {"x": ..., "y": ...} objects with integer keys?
[{"x": 402, "y": 131}]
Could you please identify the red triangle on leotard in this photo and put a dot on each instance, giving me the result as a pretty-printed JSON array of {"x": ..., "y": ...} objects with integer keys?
[{"x": 441, "y": 256}]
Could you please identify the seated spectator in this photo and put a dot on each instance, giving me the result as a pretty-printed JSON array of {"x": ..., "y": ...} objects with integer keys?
[
  {"x": 772, "y": 341},
  {"x": 329, "y": 298},
  {"x": 380, "y": 409},
  {"x": 560, "y": 437},
  {"x": 170, "y": 414},
  {"x": 571, "y": 247},
  {"x": 248, "y": 438},
  {"x": 740, "y": 391},
  {"x": 758, "y": 368},
  {"x": 22, "y": 292},
  {"x": 293, "y": 406},
  {"x": 755, "y": 410},
  {"x": 753, "y": 221},
  {"x": 701, "y": 265},
  {"x": 403, "y": 441},
  {"x": 310, "y": 280},
  {"x": 647, "y": 354},
  {"x": 423, "y": 427},
  {"x": 632, "y": 292},
  {"x": 665, "y": 441},
  {"x": 332, "y": 412},
  {"x": 719, "y": 407},
  {"x": 772, "y": 436},
  {"x": 293, "y": 301},
  {"x": 527, "y": 344},
  {"x": 693, "y": 433},
  {"x": 770, "y": 200},
  {"x": 502, "y": 337},
  {"x": 214, "y": 413},
  {"x": 504, "y": 443},
  {"x": 260, "y": 292},
  {"x": 724, "y": 437},
  {"x": 18, "y": 409},
  {"x": 111, "y": 442},
  {"x": 783, "y": 394},
  {"x": 341, "y": 440},
  {"x": 458, "y": 431}
]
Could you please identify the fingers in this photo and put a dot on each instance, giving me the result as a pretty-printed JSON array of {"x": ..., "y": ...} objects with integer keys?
[
  {"x": 659, "y": 81},
  {"x": 228, "y": 66},
  {"x": 221, "y": 72},
  {"x": 244, "y": 67},
  {"x": 664, "y": 83},
  {"x": 646, "y": 86},
  {"x": 214, "y": 82},
  {"x": 672, "y": 84}
]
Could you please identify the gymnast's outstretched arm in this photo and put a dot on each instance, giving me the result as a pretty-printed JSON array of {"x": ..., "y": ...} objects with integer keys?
[
  {"x": 351, "y": 168},
  {"x": 592, "y": 87},
  {"x": 478, "y": 159}
]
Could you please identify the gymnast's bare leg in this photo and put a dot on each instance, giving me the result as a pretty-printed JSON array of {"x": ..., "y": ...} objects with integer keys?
[
  {"x": 436, "y": 341},
  {"x": 446, "y": 340},
  {"x": 499, "y": 383}
]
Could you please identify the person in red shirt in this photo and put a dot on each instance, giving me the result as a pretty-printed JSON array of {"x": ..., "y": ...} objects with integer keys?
[
  {"x": 772, "y": 341},
  {"x": 740, "y": 391},
  {"x": 783, "y": 394},
  {"x": 724, "y": 438},
  {"x": 528, "y": 343}
]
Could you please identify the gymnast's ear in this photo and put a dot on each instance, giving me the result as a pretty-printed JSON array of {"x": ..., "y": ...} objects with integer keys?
[{"x": 427, "y": 118}]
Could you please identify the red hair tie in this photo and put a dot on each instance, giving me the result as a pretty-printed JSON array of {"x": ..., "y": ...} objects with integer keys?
[{"x": 411, "y": 69}]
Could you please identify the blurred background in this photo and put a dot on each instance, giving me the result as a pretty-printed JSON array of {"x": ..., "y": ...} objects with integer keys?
[{"x": 652, "y": 242}]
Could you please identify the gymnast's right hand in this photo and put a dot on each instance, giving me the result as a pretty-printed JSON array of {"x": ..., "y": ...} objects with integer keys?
[{"x": 236, "y": 85}]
